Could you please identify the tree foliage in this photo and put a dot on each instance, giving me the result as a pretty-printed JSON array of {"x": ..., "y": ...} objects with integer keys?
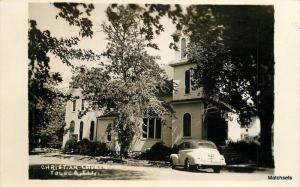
[
  {"x": 231, "y": 45},
  {"x": 41, "y": 81},
  {"x": 77, "y": 14},
  {"x": 150, "y": 16},
  {"x": 52, "y": 130},
  {"x": 130, "y": 82},
  {"x": 233, "y": 49}
]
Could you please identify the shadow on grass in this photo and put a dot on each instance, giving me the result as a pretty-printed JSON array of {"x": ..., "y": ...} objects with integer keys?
[
  {"x": 36, "y": 172},
  {"x": 194, "y": 171},
  {"x": 159, "y": 164},
  {"x": 233, "y": 169},
  {"x": 58, "y": 156},
  {"x": 247, "y": 169}
]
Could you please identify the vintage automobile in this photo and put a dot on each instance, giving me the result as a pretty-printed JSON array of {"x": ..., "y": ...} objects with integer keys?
[{"x": 194, "y": 154}]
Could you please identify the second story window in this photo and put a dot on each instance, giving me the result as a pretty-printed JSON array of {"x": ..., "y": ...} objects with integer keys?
[
  {"x": 74, "y": 105},
  {"x": 82, "y": 104},
  {"x": 183, "y": 48},
  {"x": 187, "y": 79}
]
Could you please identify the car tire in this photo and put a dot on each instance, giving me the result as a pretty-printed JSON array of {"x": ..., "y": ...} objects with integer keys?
[
  {"x": 217, "y": 170},
  {"x": 187, "y": 165},
  {"x": 193, "y": 168}
]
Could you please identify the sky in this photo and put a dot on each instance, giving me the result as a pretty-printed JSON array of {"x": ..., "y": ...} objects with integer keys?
[{"x": 44, "y": 14}]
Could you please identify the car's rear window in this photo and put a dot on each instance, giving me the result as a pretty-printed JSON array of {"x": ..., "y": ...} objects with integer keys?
[{"x": 207, "y": 145}]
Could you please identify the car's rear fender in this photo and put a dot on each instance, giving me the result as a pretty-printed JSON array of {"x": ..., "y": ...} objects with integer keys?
[
  {"x": 174, "y": 158},
  {"x": 191, "y": 157}
]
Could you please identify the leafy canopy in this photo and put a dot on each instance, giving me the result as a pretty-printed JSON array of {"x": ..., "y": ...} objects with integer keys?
[{"x": 130, "y": 82}]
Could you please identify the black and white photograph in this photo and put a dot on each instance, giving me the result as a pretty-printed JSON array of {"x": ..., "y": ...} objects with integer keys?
[{"x": 155, "y": 91}]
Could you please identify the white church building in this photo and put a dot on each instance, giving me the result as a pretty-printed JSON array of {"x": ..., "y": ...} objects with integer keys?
[{"x": 194, "y": 119}]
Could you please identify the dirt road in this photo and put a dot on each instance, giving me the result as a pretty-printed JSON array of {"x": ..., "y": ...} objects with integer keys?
[{"x": 54, "y": 167}]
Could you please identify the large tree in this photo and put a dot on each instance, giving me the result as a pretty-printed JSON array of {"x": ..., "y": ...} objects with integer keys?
[
  {"x": 41, "y": 81},
  {"x": 233, "y": 49},
  {"x": 52, "y": 131},
  {"x": 130, "y": 82}
]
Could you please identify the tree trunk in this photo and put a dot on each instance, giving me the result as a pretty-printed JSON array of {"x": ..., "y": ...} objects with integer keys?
[{"x": 266, "y": 158}]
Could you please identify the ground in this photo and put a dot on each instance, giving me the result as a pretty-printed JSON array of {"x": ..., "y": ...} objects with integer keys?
[{"x": 59, "y": 166}]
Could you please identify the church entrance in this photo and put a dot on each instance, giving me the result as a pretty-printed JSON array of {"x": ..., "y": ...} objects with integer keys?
[{"x": 216, "y": 127}]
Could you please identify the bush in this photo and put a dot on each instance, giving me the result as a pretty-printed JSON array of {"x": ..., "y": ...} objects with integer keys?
[
  {"x": 83, "y": 147},
  {"x": 98, "y": 149},
  {"x": 86, "y": 147},
  {"x": 175, "y": 149},
  {"x": 247, "y": 149},
  {"x": 158, "y": 152},
  {"x": 70, "y": 146}
]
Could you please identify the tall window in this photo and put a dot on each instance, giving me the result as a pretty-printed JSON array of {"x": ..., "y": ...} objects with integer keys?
[
  {"x": 81, "y": 130},
  {"x": 145, "y": 128},
  {"x": 152, "y": 128},
  {"x": 183, "y": 48},
  {"x": 158, "y": 128},
  {"x": 92, "y": 127},
  {"x": 187, "y": 125},
  {"x": 82, "y": 104},
  {"x": 187, "y": 81},
  {"x": 74, "y": 105},
  {"x": 109, "y": 132},
  {"x": 71, "y": 128}
]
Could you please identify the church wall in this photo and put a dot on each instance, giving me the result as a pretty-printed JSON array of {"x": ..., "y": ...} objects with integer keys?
[
  {"x": 196, "y": 111},
  {"x": 71, "y": 115},
  {"x": 179, "y": 82}
]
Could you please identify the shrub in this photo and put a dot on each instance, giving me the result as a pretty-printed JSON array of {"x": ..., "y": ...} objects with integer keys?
[
  {"x": 83, "y": 147},
  {"x": 86, "y": 147},
  {"x": 70, "y": 146},
  {"x": 175, "y": 149},
  {"x": 247, "y": 149},
  {"x": 98, "y": 149},
  {"x": 158, "y": 152}
]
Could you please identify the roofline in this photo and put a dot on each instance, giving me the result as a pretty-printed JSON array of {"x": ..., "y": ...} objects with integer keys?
[
  {"x": 182, "y": 62},
  {"x": 106, "y": 117},
  {"x": 184, "y": 101},
  {"x": 202, "y": 99}
]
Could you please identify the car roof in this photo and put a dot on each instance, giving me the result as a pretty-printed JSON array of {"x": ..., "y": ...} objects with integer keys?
[{"x": 195, "y": 141}]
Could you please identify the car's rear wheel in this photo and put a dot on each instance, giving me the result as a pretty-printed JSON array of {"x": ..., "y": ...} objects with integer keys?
[
  {"x": 188, "y": 166},
  {"x": 217, "y": 170}
]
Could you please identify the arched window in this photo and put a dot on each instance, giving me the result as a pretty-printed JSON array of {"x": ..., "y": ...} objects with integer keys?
[
  {"x": 92, "y": 130},
  {"x": 71, "y": 128},
  {"x": 81, "y": 130},
  {"x": 186, "y": 125},
  {"x": 183, "y": 48},
  {"x": 187, "y": 78}
]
